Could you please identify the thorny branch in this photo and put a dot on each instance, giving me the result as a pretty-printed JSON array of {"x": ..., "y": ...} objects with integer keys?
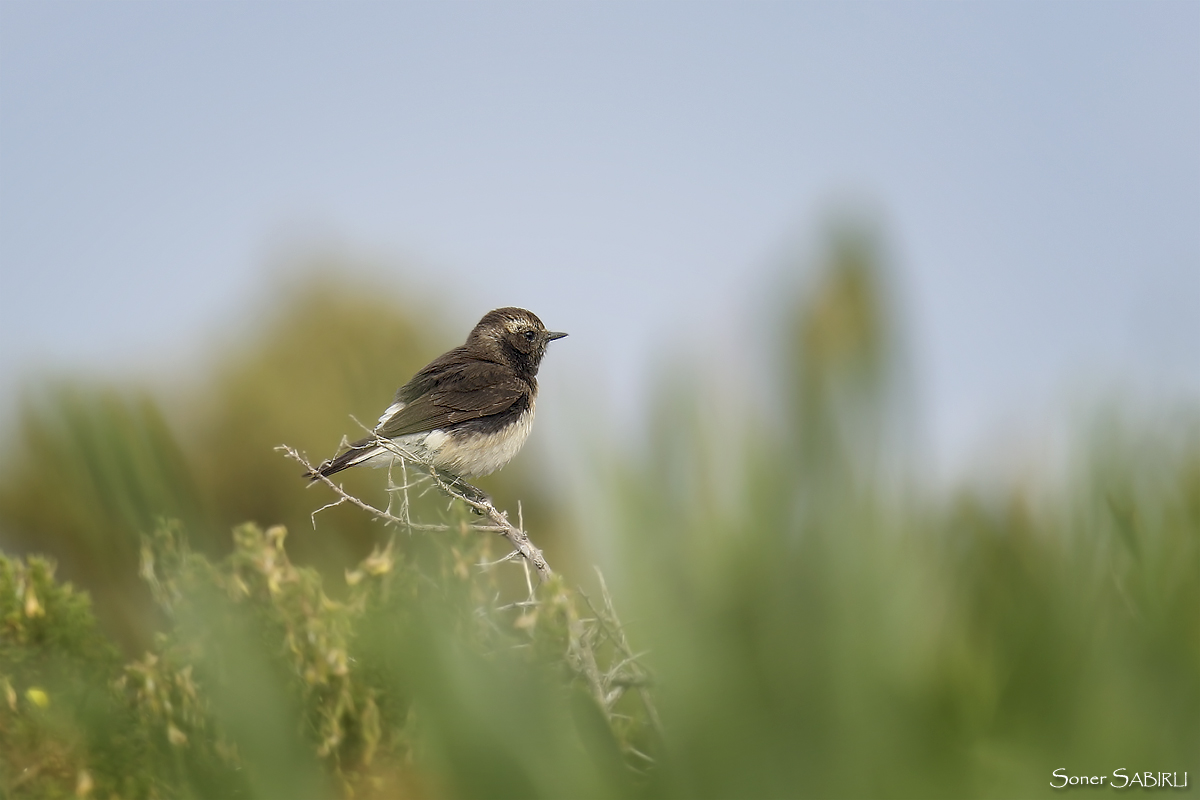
[
  {"x": 587, "y": 636},
  {"x": 456, "y": 488}
]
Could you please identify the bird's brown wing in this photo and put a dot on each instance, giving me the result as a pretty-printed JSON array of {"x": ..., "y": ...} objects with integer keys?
[{"x": 462, "y": 391}]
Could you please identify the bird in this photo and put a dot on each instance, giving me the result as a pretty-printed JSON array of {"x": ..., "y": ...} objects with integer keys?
[{"x": 467, "y": 412}]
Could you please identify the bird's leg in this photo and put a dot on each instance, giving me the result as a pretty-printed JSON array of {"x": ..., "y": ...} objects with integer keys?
[{"x": 472, "y": 493}]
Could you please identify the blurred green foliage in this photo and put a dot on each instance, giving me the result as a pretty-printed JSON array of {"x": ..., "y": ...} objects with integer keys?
[
  {"x": 818, "y": 633},
  {"x": 60, "y": 722},
  {"x": 817, "y": 624},
  {"x": 262, "y": 685},
  {"x": 93, "y": 466}
]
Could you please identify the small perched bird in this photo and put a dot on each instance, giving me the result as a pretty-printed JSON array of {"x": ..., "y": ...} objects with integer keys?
[{"x": 468, "y": 412}]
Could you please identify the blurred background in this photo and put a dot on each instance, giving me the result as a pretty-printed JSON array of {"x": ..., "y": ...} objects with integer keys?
[{"x": 880, "y": 408}]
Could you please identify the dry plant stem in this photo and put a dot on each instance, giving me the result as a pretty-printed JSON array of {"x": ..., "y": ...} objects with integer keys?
[
  {"x": 586, "y": 635},
  {"x": 473, "y": 497},
  {"x": 617, "y": 632},
  {"x": 609, "y": 686}
]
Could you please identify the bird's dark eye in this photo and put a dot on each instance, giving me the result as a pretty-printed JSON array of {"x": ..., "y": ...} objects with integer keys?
[{"x": 530, "y": 335}]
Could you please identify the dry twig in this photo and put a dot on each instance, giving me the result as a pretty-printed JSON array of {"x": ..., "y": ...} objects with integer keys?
[
  {"x": 585, "y": 635},
  {"x": 454, "y": 487}
]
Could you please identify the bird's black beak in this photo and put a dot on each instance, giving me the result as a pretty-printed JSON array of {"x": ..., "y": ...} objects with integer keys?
[{"x": 551, "y": 336}]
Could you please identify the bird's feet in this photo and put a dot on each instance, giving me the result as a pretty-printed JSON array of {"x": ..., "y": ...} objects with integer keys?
[{"x": 472, "y": 493}]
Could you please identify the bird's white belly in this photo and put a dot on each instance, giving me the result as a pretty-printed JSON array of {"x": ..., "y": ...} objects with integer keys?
[{"x": 478, "y": 454}]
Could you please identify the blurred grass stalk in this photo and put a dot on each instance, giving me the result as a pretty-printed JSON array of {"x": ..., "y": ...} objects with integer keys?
[
  {"x": 815, "y": 626},
  {"x": 817, "y": 633}
]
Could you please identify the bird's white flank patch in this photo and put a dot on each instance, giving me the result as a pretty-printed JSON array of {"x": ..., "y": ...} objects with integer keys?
[
  {"x": 467, "y": 455},
  {"x": 435, "y": 440},
  {"x": 391, "y": 411}
]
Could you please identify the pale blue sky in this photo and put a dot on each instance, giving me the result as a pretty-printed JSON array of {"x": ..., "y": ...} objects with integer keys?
[{"x": 636, "y": 173}]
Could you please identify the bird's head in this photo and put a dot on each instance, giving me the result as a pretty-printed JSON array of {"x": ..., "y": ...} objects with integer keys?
[{"x": 515, "y": 335}]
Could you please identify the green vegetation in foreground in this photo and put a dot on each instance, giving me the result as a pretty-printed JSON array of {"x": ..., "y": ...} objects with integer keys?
[{"x": 815, "y": 625}]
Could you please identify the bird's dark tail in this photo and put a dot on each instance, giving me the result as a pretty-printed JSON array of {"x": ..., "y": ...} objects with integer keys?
[{"x": 355, "y": 454}]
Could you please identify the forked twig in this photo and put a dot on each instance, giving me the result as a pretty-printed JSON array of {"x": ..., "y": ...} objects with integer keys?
[
  {"x": 586, "y": 637},
  {"x": 455, "y": 488}
]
